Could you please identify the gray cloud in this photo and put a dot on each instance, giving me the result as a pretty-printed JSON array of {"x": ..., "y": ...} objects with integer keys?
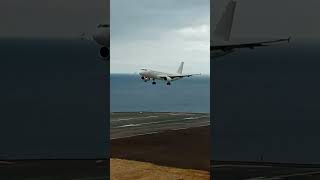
[
  {"x": 152, "y": 17},
  {"x": 160, "y": 34}
]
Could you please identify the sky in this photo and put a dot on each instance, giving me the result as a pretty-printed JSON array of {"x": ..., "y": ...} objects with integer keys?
[
  {"x": 51, "y": 18},
  {"x": 159, "y": 35}
]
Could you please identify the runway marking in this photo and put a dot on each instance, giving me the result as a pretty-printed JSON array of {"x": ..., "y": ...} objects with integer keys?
[
  {"x": 141, "y": 124},
  {"x": 142, "y": 134},
  {"x": 285, "y": 176},
  {"x": 127, "y": 125},
  {"x": 191, "y": 118},
  {"x": 127, "y": 119},
  {"x": 188, "y": 127},
  {"x": 155, "y": 132},
  {"x": 179, "y": 121},
  {"x": 180, "y": 114},
  {"x": 147, "y": 123}
]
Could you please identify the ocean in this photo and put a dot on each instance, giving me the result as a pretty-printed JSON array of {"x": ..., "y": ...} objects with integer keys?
[
  {"x": 267, "y": 104},
  {"x": 129, "y": 93}
]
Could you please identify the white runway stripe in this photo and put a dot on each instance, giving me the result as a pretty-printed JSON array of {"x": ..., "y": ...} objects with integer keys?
[
  {"x": 127, "y": 119},
  {"x": 148, "y": 123}
]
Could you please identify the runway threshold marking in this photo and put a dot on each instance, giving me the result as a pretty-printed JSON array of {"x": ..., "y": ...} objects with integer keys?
[{"x": 284, "y": 176}]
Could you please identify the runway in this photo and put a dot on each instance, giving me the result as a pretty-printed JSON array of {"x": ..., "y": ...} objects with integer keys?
[{"x": 129, "y": 124}]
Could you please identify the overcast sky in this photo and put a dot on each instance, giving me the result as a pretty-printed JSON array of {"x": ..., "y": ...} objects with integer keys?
[
  {"x": 159, "y": 35},
  {"x": 51, "y": 18}
]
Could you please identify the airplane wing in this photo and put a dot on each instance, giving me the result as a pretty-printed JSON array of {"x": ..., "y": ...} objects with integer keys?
[
  {"x": 178, "y": 76},
  {"x": 223, "y": 33},
  {"x": 247, "y": 45}
]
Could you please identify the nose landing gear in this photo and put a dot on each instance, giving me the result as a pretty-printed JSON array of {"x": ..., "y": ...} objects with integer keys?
[{"x": 168, "y": 83}]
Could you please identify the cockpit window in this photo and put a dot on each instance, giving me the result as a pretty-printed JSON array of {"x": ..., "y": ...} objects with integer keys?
[{"x": 103, "y": 25}]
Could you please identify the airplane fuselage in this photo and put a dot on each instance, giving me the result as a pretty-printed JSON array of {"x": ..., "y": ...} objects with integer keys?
[
  {"x": 102, "y": 35},
  {"x": 148, "y": 74},
  {"x": 157, "y": 75}
]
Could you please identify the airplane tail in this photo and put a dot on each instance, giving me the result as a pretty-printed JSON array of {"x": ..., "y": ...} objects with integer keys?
[
  {"x": 224, "y": 26},
  {"x": 179, "y": 71}
]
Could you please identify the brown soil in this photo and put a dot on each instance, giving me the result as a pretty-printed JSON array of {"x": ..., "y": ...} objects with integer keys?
[
  {"x": 187, "y": 148},
  {"x": 125, "y": 169}
]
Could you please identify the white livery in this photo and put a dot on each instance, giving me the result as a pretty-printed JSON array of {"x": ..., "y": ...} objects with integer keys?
[{"x": 148, "y": 74}]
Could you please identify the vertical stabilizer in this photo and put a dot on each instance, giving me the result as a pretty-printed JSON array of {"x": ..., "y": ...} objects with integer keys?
[
  {"x": 179, "y": 71},
  {"x": 224, "y": 26}
]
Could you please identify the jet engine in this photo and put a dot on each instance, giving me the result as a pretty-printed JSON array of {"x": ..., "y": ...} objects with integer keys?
[
  {"x": 145, "y": 79},
  {"x": 167, "y": 78},
  {"x": 104, "y": 52}
]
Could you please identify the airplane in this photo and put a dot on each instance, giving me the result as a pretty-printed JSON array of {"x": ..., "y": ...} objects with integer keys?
[
  {"x": 102, "y": 38},
  {"x": 221, "y": 44},
  {"x": 148, "y": 74}
]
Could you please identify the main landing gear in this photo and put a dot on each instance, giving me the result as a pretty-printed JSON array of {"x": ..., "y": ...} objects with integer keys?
[
  {"x": 153, "y": 82},
  {"x": 168, "y": 83}
]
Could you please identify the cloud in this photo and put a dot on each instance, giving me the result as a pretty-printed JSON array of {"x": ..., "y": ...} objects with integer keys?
[
  {"x": 159, "y": 35},
  {"x": 196, "y": 33}
]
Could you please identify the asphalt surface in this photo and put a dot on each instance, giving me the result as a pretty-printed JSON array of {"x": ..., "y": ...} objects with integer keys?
[{"x": 123, "y": 125}]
